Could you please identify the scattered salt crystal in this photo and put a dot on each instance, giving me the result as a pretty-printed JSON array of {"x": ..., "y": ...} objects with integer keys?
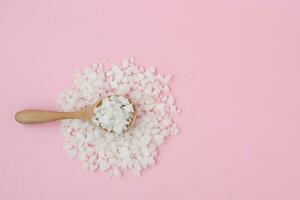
[
  {"x": 152, "y": 147},
  {"x": 88, "y": 71},
  {"x": 116, "y": 69},
  {"x": 86, "y": 165},
  {"x": 166, "y": 89},
  {"x": 123, "y": 89},
  {"x": 145, "y": 140},
  {"x": 125, "y": 63},
  {"x": 116, "y": 172},
  {"x": 159, "y": 139},
  {"x": 80, "y": 143},
  {"x": 75, "y": 124},
  {"x": 167, "y": 79},
  {"x": 123, "y": 100},
  {"x": 92, "y": 158},
  {"x": 154, "y": 153},
  {"x": 71, "y": 152},
  {"x": 173, "y": 108},
  {"x": 89, "y": 151},
  {"x": 114, "y": 84},
  {"x": 93, "y": 167},
  {"x": 176, "y": 131},
  {"x": 104, "y": 165},
  {"x": 68, "y": 146},
  {"x": 161, "y": 108},
  {"x": 128, "y": 108},
  {"x": 145, "y": 151},
  {"x": 80, "y": 136},
  {"x": 151, "y": 160},
  {"x": 82, "y": 156},
  {"x": 152, "y": 69},
  {"x": 90, "y": 137},
  {"x": 134, "y": 149},
  {"x": 97, "y": 134},
  {"x": 137, "y": 167},
  {"x": 93, "y": 76},
  {"x": 170, "y": 100},
  {"x": 138, "y": 173},
  {"x": 124, "y": 152}
]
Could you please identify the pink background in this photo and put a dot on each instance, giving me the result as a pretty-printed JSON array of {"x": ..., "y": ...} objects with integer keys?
[{"x": 236, "y": 66}]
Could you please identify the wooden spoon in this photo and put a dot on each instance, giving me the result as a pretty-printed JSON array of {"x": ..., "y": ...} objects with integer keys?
[{"x": 86, "y": 114}]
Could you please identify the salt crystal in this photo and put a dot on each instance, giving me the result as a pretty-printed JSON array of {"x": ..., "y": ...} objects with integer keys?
[
  {"x": 115, "y": 68},
  {"x": 90, "y": 137},
  {"x": 176, "y": 131},
  {"x": 68, "y": 146},
  {"x": 159, "y": 139},
  {"x": 95, "y": 66},
  {"x": 93, "y": 76},
  {"x": 93, "y": 167},
  {"x": 166, "y": 89},
  {"x": 80, "y": 136},
  {"x": 114, "y": 84},
  {"x": 104, "y": 165},
  {"x": 116, "y": 172},
  {"x": 80, "y": 143},
  {"x": 137, "y": 167},
  {"x": 123, "y": 100},
  {"x": 150, "y": 161},
  {"x": 86, "y": 165},
  {"x": 173, "y": 108},
  {"x": 71, "y": 152},
  {"x": 97, "y": 134},
  {"x": 145, "y": 140},
  {"x": 168, "y": 79},
  {"x": 154, "y": 153},
  {"x": 125, "y": 63},
  {"x": 82, "y": 156},
  {"x": 137, "y": 173},
  {"x": 89, "y": 151},
  {"x": 145, "y": 151},
  {"x": 134, "y": 149},
  {"x": 118, "y": 128},
  {"x": 152, "y": 69},
  {"x": 170, "y": 100},
  {"x": 104, "y": 119},
  {"x": 92, "y": 158},
  {"x": 160, "y": 108},
  {"x": 124, "y": 152},
  {"x": 88, "y": 71},
  {"x": 123, "y": 89},
  {"x": 140, "y": 77},
  {"x": 128, "y": 108},
  {"x": 152, "y": 147}
]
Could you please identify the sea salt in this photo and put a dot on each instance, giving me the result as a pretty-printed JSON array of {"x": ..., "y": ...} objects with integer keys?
[
  {"x": 114, "y": 114},
  {"x": 112, "y": 148}
]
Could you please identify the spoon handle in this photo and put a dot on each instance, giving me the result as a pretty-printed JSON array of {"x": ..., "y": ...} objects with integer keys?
[{"x": 40, "y": 116}]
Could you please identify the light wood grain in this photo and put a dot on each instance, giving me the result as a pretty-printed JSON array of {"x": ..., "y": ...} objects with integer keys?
[{"x": 40, "y": 116}]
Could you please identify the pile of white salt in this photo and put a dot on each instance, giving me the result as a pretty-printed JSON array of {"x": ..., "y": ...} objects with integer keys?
[{"x": 118, "y": 150}]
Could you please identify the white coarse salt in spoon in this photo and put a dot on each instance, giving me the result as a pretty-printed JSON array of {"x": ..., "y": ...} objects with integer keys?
[{"x": 115, "y": 113}]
